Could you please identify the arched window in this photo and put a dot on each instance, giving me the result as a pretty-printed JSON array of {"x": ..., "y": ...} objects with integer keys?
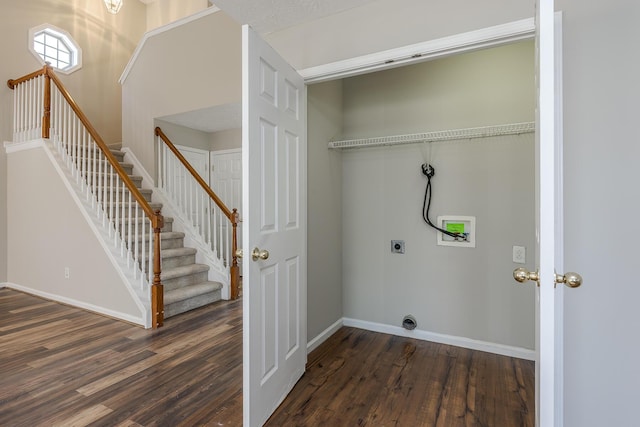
[{"x": 51, "y": 44}]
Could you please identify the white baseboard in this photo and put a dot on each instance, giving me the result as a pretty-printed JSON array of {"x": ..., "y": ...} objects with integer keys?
[
  {"x": 504, "y": 350},
  {"x": 324, "y": 335},
  {"x": 12, "y": 147},
  {"x": 75, "y": 303}
]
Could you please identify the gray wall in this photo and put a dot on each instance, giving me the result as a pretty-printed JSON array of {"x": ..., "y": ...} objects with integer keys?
[
  {"x": 601, "y": 151},
  {"x": 181, "y": 135},
  {"x": 324, "y": 208},
  {"x": 107, "y": 42},
  {"x": 600, "y": 95},
  {"x": 465, "y": 292},
  {"x": 225, "y": 139}
]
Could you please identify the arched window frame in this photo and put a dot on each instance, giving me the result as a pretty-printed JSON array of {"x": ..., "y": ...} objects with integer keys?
[{"x": 62, "y": 36}]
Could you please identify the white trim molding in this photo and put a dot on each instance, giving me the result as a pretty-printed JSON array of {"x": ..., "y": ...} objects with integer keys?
[
  {"x": 75, "y": 303},
  {"x": 14, "y": 147},
  {"x": 420, "y": 52},
  {"x": 504, "y": 350},
  {"x": 138, "y": 169},
  {"x": 324, "y": 335}
]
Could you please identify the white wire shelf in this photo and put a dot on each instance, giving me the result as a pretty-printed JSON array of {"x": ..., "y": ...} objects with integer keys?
[{"x": 443, "y": 135}]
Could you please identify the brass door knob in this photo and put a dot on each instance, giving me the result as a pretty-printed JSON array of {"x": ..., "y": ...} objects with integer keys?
[
  {"x": 572, "y": 280},
  {"x": 522, "y": 275},
  {"x": 239, "y": 253},
  {"x": 257, "y": 254}
]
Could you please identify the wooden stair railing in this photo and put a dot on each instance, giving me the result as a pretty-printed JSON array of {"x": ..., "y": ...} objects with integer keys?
[
  {"x": 231, "y": 215},
  {"x": 35, "y": 99}
]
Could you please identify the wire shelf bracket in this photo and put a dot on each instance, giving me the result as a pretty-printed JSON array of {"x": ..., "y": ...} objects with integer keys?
[{"x": 444, "y": 135}]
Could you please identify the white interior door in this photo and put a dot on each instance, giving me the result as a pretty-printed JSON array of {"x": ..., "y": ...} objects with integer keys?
[
  {"x": 274, "y": 200},
  {"x": 199, "y": 159}
]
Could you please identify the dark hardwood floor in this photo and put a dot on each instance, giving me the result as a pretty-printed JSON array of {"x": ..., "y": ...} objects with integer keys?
[
  {"x": 63, "y": 366},
  {"x": 67, "y": 367},
  {"x": 363, "y": 378}
]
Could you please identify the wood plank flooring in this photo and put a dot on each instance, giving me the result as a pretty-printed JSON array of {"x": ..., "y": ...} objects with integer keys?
[
  {"x": 61, "y": 366},
  {"x": 362, "y": 378}
]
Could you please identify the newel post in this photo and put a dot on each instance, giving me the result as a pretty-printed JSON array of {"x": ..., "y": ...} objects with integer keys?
[
  {"x": 234, "y": 270},
  {"x": 157, "y": 292},
  {"x": 46, "y": 118}
]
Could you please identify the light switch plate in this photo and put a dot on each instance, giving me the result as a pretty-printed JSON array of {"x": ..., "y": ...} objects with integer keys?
[{"x": 519, "y": 254}]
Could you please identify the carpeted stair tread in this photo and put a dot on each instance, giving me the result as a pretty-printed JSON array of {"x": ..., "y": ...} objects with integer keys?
[
  {"x": 169, "y": 253},
  {"x": 172, "y": 273},
  {"x": 190, "y": 291},
  {"x": 154, "y": 206}
]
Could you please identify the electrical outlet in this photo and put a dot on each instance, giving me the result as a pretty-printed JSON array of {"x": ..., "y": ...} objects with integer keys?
[
  {"x": 519, "y": 254},
  {"x": 66, "y": 272}
]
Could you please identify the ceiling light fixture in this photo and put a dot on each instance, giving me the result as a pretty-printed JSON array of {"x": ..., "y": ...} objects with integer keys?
[{"x": 113, "y": 6}]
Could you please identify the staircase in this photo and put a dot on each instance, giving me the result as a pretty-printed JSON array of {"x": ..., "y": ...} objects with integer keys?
[
  {"x": 159, "y": 272},
  {"x": 186, "y": 286}
]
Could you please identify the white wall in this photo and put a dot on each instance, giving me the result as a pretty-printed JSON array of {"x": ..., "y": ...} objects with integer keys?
[
  {"x": 324, "y": 208},
  {"x": 464, "y": 292},
  {"x": 161, "y": 12},
  {"x": 187, "y": 68},
  {"x": 107, "y": 42},
  {"x": 601, "y": 93},
  {"x": 47, "y": 233}
]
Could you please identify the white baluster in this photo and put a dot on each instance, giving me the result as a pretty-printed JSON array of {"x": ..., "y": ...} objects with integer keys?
[
  {"x": 123, "y": 213},
  {"x": 117, "y": 208},
  {"x": 144, "y": 251},
  {"x": 129, "y": 241},
  {"x": 137, "y": 247},
  {"x": 111, "y": 197}
]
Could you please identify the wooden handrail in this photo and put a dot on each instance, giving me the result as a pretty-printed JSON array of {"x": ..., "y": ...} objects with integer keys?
[
  {"x": 13, "y": 83},
  {"x": 232, "y": 215},
  {"x": 156, "y": 218},
  {"x": 194, "y": 174}
]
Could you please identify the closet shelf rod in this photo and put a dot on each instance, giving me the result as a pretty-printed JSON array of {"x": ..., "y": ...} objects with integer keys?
[{"x": 443, "y": 135}]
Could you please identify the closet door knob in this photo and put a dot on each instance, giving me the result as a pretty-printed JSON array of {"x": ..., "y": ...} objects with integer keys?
[
  {"x": 522, "y": 275},
  {"x": 572, "y": 280},
  {"x": 257, "y": 254}
]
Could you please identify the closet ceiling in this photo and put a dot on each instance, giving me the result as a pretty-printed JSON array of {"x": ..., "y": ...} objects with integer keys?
[{"x": 267, "y": 16}]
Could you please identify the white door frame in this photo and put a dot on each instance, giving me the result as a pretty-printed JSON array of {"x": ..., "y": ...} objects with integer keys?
[{"x": 462, "y": 43}]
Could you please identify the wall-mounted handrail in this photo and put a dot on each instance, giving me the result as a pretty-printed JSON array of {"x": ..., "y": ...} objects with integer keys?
[
  {"x": 232, "y": 215},
  {"x": 155, "y": 217}
]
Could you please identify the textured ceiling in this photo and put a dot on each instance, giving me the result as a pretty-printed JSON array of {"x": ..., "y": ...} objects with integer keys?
[{"x": 266, "y": 16}]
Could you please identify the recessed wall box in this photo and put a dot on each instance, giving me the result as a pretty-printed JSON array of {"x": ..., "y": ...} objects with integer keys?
[
  {"x": 465, "y": 226},
  {"x": 397, "y": 246}
]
